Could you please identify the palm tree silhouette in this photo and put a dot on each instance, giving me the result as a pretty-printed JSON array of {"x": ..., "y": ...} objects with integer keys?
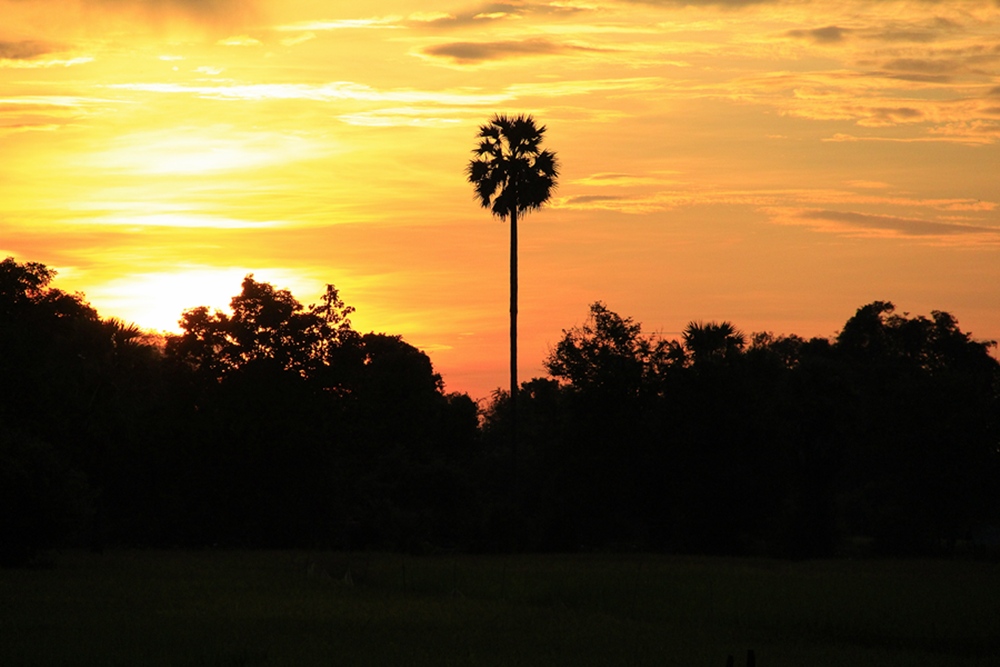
[
  {"x": 713, "y": 341},
  {"x": 512, "y": 176}
]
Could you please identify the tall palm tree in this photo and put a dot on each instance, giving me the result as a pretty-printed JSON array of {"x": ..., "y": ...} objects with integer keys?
[{"x": 511, "y": 176}]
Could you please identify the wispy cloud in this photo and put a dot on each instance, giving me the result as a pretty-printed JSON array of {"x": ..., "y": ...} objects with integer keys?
[
  {"x": 24, "y": 49},
  {"x": 50, "y": 101},
  {"x": 931, "y": 70},
  {"x": 44, "y": 63},
  {"x": 112, "y": 15},
  {"x": 240, "y": 40},
  {"x": 406, "y": 116},
  {"x": 868, "y": 185},
  {"x": 477, "y": 52},
  {"x": 378, "y": 107},
  {"x": 6, "y": 129},
  {"x": 324, "y": 92},
  {"x": 487, "y": 13},
  {"x": 321, "y": 25},
  {"x": 478, "y": 16},
  {"x": 193, "y": 6},
  {"x": 299, "y": 39},
  {"x": 34, "y": 54},
  {"x": 200, "y": 151},
  {"x": 584, "y": 86},
  {"x": 178, "y": 220},
  {"x": 633, "y": 203},
  {"x": 728, "y": 4},
  {"x": 973, "y": 133},
  {"x": 897, "y": 225},
  {"x": 830, "y": 34},
  {"x": 625, "y": 193},
  {"x": 44, "y": 113},
  {"x": 606, "y": 179}
]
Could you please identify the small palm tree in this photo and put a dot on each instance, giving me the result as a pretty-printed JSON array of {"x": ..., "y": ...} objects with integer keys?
[
  {"x": 713, "y": 341},
  {"x": 511, "y": 176}
]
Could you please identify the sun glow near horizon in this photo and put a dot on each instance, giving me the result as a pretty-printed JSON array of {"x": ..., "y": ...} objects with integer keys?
[
  {"x": 157, "y": 300},
  {"x": 774, "y": 164}
]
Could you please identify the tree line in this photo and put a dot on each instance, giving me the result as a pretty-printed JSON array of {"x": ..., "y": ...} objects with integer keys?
[
  {"x": 277, "y": 424},
  {"x": 884, "y": 439}
]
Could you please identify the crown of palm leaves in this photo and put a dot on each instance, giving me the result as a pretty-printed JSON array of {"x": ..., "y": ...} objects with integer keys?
[{"x": 509, "y": 172}]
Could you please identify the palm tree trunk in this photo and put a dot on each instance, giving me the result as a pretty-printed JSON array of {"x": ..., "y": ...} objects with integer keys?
[
  {"x": 513, "y": 352},
  {"x": 513, "y": 307}
]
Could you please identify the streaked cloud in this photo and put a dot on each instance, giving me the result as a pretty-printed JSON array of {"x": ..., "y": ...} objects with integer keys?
[
  {"x": 200, "y": 151},
  {"x": 585, "y": 86},
  {"x": 35, "y": 54},
  {"x": 177, "y": 221},
  {"x": 391, "y": 22},
  {"x": 830, "y": 34},
  {"x": 324, "y": 92},
  {"x": 24, "y": 49},
  {"x": 51, "y": 102},
  {"x": 44, "y": 62},
  {"x": 637, "y": 203},
  {"x": 626, "y": 194},
  {"x": 603, "y": 179},
  {"x": 89, "y": 17},
  {"x": 45, "y": 113},
  {"x": 477, "y": 16},
  {"x": 497, "y": 12},
  {"x": 406, "y": 117},
  {"x": 974, "y": 133},
  {"x": 404, "y": 107},
  {"x": 193, "y": 6},
  {"x": 728, "y": 4},
  {"x": 931, "y": 70},
  {"x": 868, "y": 185},
  {"x": 299, "y": 39},
  {"x": 914, "y": 227},
  {"x": 477, "y": 52},
  {"x": 240, "y": 40}
]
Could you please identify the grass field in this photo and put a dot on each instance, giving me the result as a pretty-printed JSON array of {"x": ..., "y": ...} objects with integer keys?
[{"x": 301, "y": 609}]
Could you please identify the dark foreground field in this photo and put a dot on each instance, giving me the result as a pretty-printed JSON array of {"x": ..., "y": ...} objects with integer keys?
[{"x": 300, "y": 609}]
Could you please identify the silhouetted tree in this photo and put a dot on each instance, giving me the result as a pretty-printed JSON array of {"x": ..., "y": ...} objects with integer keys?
[
  {"x": 790, "y": 447},
  {"x": 925, "y": 407},
  {"x": 44, "y": 503},
  {"x": 267, "y": 386},
  {"x": 277, "y": 424},
  {"x": 610, "y": 355},
  {"x": 43, "y": 331},
  {"x": 713, "y": 342},
  {"x": 77, "y": 393},
  {"x": 611, "y": 456},
  {"x": 512, "y": 175},
  {"x": 314, "y": 434},
  {"x": 267, "y": 325}
]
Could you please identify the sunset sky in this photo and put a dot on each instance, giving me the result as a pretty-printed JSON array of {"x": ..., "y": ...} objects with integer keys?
[{"x": 774, "y": 163}]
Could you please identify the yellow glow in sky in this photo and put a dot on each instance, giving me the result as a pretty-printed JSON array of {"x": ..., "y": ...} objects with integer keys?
[{"x": 774, "y": 163}]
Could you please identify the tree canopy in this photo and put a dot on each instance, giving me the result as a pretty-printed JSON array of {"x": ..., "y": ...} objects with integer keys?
[
  {"x": 511, "y": 173},
  {"x": 277, "y": 424}
]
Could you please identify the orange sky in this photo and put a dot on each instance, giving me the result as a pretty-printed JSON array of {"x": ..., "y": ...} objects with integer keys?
[{"x": 773, "y": 163}]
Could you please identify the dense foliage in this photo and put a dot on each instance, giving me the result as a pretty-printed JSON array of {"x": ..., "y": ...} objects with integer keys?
[
  {"x": 885, "y": 439},
  {"x": 273, "y": 425},
  {"x": 277, "y": 424}
]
